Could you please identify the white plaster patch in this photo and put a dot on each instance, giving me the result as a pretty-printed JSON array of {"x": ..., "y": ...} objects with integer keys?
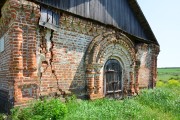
[
  {"x": 143, "y": 58},
  {"x": 48, "y": 41}
]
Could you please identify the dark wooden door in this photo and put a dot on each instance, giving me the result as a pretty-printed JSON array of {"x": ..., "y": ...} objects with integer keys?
[{"x": 113, "y": 79}]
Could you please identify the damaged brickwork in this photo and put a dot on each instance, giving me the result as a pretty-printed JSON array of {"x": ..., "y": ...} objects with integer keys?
[
  {"x": 39, "y": 61},
  {"x": 18, "y": 76}
]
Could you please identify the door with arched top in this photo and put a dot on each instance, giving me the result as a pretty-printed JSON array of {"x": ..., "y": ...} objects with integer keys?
[{"x": 112, "y": 79}]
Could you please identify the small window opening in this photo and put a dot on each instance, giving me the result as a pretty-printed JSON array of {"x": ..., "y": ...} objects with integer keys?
[
  {"x": 49, "y": 18},
  {"x": 1, "y": 44}
]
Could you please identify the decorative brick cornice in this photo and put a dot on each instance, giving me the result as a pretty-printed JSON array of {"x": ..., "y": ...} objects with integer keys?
[
  {"x": 101, "y": 42},
  {"x": 82, "y": 26}
]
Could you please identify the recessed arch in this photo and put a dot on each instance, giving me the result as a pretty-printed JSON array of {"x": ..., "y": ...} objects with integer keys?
[{"x": 104, "y": 47}]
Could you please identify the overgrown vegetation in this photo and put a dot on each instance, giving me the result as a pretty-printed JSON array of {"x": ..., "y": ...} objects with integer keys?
[
  {"x": 157, "y": 104},
  {"x": 51, "y": 109}
]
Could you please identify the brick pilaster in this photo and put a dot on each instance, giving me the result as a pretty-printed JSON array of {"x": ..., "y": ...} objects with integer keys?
[
  {"x": 137, "y": 66},
  {"x": 90, "y": 79},
  {"x": 17, "y": 61}
]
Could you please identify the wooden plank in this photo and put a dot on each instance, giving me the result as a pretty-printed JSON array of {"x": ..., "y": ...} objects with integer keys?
[{"x": 114, "y": 12}]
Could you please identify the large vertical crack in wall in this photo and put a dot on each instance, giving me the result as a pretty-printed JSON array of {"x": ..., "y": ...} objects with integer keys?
[
  {"x": 42, "y": 62},
  {"x": 45, "y": 61},
  {"x": 50, "y": 46}
]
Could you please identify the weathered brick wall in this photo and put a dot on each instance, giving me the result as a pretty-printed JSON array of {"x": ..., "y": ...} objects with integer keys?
[
  {"x": 63, "y": 67},
  {"x": 110, "y": 45},
  {"x": 61, "y": 56},
  {"x": 5, "y": 56},
  {"x": 23, "y": 64},
  {"x": 147, "y": 56},
  {"x": 17, "y": 17},
  {"x": 38, "y": 61},
  {"x": 5, "y": 73},
  {"x": 144, "y": 56}
]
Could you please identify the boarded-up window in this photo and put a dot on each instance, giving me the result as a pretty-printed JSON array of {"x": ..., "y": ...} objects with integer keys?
[
  {"x": 49, "y": 18},
  {"x": 2, "y": 44}
]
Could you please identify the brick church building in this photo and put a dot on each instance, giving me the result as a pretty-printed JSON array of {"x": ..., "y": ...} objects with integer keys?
[{"x": 90, "y": 48}]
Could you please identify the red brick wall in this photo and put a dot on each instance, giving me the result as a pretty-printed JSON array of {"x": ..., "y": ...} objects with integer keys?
[
  {"x": 147, "y": 56},
  {"x": 60, "y": 56},
  {"x": 6, "y": 92},
  {"x": 40, "y": 62},
  {"x": 16, "y": 19},
  {"x": 4, "y": 72}
]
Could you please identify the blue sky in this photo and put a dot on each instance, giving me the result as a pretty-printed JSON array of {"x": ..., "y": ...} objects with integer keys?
[{"x": 164, "y": 19}]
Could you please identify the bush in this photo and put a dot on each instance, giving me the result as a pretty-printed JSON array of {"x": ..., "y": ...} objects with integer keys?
[
  {"x": 169, "y": 84},
  {"x": 3, "y": 116},
  {"x": 154, "y": 104},
  {"x": 173, "y": 83},
  {"x": 41, "y": 110},
  {"x": 160, "y": 84}
]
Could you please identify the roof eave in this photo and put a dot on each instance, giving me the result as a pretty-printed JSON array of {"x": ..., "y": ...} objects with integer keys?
[{"x": 140, "y": 16}]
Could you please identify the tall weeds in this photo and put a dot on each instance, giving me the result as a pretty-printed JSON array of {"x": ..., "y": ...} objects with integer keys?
[{"x": 154, "y": 104}]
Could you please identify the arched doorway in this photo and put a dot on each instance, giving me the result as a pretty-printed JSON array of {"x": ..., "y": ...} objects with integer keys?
[
  {"x": 105, "y": 50},
  {"x": 112, "y": 79}
]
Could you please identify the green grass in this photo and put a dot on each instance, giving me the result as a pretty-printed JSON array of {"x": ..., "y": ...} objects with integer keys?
[
  {"x": 165, "y": 74},
  {"x": 161, "y": 103},
  {"x": 158, "y": 104}
]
